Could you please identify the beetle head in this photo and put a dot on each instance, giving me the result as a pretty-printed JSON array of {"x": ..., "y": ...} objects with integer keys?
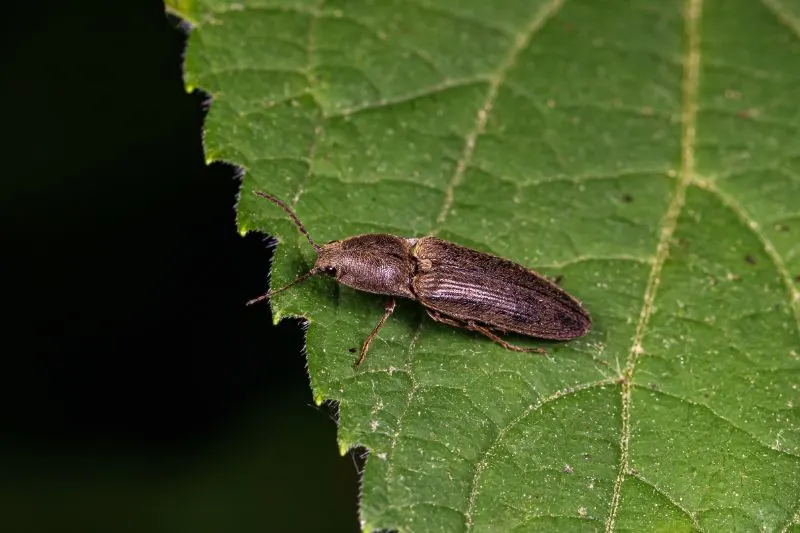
[
  {"x": 330, "y": 259},
  {"x": 373, "y": 262}
]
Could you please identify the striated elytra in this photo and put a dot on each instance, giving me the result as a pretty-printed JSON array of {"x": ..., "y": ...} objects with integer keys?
[{"x": 458, "y": 286}]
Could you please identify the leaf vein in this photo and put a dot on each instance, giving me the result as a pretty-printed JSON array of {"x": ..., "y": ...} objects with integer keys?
[
  {"x": 793, "y": 521},
  {"x": 481, "y": 465},
  {"x": 632, "y": 173},
  {"x": 495, "y": 82},
  {"x": 689, "y": 515},
  {"x": 445, "y": 85},
  {"x": 783, "y": 15},
  {"x": 722, "y": 418},
  {"x": 755, "y": 117},
  {"x": 480, "y": 23},
  {"x": 730, "y": 202},
  {"x": 380, "y": 36},
  {"x": 613, "y": 107},
  {"x": 689, "y": 89}
]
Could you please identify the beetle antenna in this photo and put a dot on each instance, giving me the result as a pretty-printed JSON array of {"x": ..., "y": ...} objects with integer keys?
[
  {"x": 291, "y": 214},
  {"x": 269, "y": 294}
]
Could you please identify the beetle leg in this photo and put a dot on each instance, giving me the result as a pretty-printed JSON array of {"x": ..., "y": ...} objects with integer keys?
[
  {"x": 389, "y": 309},
  {"x": 444, "y": 320},
  {"x": 482, "y": 330},
  {"x": 505, "y": 344}
]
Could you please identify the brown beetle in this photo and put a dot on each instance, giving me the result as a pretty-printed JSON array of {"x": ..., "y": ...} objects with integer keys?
[{"x": 458, "y": 286}]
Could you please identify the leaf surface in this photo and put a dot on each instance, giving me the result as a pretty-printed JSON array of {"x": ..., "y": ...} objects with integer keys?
[{"x": 647, "y": 151}]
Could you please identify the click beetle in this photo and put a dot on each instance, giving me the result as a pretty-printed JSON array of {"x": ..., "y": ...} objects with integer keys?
[{"x": 457, "y": 286}]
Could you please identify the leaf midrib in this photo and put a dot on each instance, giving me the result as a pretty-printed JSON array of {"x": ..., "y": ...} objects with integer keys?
[{"x": 689, "y": 86}]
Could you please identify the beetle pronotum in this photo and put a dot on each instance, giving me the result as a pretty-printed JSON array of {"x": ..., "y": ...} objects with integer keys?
[{"x": 458, "y": 286}]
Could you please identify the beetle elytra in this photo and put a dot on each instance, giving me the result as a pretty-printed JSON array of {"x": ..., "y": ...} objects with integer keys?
[{"x": 457, "y": 286}]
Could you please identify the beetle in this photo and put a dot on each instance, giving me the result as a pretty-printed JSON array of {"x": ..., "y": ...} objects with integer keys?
[{"x": 458, "y": 286}]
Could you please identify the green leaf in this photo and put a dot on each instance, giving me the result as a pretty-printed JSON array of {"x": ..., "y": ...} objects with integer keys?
[{"x": 647, "y": 151}]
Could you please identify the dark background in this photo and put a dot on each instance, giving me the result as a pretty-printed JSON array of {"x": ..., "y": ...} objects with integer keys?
[{"x": 138, "y": 392}]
